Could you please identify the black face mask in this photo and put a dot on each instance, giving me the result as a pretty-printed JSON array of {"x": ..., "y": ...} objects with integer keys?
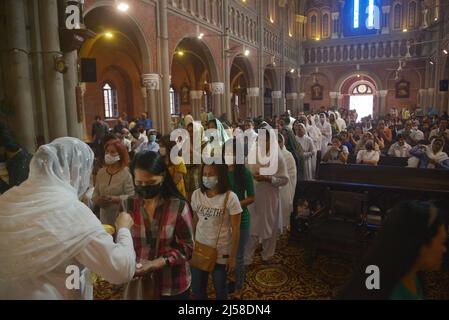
[{"x": 148, "y": 192}]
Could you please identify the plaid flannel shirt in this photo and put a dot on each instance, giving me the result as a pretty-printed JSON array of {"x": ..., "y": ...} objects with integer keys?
[{"x": 175, "y": 243}]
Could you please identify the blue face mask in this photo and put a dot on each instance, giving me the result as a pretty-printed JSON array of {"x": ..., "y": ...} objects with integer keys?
[
  {"x": 152, "y": 138},
  {"x": 210, "y": 182}
]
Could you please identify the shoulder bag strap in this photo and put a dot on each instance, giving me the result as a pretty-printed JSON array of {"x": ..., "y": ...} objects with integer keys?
[{"x": 223, "y": 216}]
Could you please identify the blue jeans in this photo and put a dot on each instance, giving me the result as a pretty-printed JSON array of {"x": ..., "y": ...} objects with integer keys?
[
  {"x": 200, "y": 279},
  {"x": 239, "y": 275}
]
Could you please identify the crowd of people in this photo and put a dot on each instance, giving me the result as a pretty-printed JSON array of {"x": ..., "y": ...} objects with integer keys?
[{"x": 164, "y": 210}]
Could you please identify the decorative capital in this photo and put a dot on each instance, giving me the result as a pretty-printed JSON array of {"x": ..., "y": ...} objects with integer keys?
[
  {"x": 144, "y": 92},
  {"x": 276, "y": 94},
  {"x": 386, "y": 9},
  {"x": 151, "y": 81},
  {"x": 217, "y": 88},
  {"x": 196, "y": 95},
  {"x": 301, "y": 19},
  {"x": 333, "y": 95},
  {"x": 253, "y": 92},
  {"x": 291, "y": 96},
  {"x": 302, "y": 95},
  {"x": 383, "y": 93},
  {"x": 431, "y": 90},
  {"x": 335, "y": 15}
]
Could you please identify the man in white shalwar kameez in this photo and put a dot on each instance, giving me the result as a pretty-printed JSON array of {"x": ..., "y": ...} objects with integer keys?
[
  {"x": 287, "y": 191},
  {"x": 47, "y": 234},
  {"x": 265, "y": 213}
]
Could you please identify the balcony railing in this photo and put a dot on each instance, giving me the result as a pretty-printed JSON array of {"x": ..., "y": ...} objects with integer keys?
[{"x": 356, "y": 50}]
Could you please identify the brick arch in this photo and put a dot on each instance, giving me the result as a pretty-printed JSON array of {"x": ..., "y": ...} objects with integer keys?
[{"x": 127, "y": 24}]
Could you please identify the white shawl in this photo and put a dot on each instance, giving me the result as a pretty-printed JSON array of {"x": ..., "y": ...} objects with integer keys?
[{"x": 42, "y": 222}]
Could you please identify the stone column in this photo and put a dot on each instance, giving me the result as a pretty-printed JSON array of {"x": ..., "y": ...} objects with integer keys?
[
  {"x": 276, "y": 97},
  {"x": 165, "y": 68},
  {"x": 340, "y": 97},
  {"x": 386, "y": 19},
  {"x": 431, "y": 97},
  {"x": 260, "y": 110},
  {"x": 226, "y": 108},
  {"x": 382, "y": 104},
  {"x": 54, "y": 83},
  {"x": 301, "y": 101},
  {"x": 74, "y": 126},
  {"x": 253, "y": 95},
  {"x": 334, "y": 99},
  {"x": 196, "y": 96},
  {"x": 335, "y": 24},
  {"x": 425, "y": 20},
  {"x": 86, "y": 132},
  {"x": 19, "y": 74},
  {"x": 422, "y": 93},
  {"x": 218, "y": 89},
  {"x": 292, "y": 99},
  {"x": 151, "y": 81}
]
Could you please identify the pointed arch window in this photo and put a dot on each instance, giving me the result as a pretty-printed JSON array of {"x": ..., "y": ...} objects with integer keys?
[
  {"x": 412, "y": 15},
  {"x": 110, "y": 101}
]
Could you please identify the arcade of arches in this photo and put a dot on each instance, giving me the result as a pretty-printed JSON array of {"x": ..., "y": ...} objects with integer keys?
[{"x": 174, "y": 57}]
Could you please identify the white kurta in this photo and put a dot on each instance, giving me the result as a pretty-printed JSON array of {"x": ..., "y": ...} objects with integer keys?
[
  {"x": 266, "y": 210},
  {"x": 309, "y": 157},
  {"x": 287, "y": 191},
  {"x": 114, "y": 261}
]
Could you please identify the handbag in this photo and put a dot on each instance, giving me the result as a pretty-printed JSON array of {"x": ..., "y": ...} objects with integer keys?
[
  {"x": 148, "y": 286},
  {"x": 204, "y": 257}
]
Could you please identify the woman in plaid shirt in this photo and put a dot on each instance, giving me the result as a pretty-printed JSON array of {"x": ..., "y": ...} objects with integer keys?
[{"x": 159, "y": 206}]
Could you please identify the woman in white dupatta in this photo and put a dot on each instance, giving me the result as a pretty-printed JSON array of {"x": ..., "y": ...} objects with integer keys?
[
  {"x": 309, "y": 152},
  {"x": 326, "y": 132},
  {"x": 288, "y": 191},
  {"x": 47, "y": 234}
]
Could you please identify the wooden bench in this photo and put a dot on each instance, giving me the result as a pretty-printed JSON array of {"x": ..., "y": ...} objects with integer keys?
[{"x": 385, "y": 185}]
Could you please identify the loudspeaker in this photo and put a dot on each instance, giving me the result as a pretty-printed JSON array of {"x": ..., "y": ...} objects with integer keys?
[
  {"x": 444, "y": 85},
  {"x": 88, "y": 70}
]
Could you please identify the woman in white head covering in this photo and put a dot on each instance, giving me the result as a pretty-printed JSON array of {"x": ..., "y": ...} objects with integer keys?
[
  {"x": 288, "y": 191},
  {"x": 326, "y": 132},
  {"x": 314, "y": 132},
  {"x": 430, "y": 157},
  {"x": 309, "y": 154},
  {"x": 48, "y": 235}
]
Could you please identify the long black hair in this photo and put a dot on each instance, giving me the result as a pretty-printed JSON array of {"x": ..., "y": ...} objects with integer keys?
[
  {"x": 223, "y": 180},
  {"x": 153, "y": 163},
  {"x": 239, "y": 169},
  {"x": 409, "y": 226}
]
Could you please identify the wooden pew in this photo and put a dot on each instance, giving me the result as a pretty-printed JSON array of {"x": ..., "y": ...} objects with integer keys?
[{"x": 385, "y": 185}]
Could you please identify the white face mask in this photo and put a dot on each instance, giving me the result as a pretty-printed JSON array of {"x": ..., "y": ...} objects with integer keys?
[{"x": 108, "y": 159}]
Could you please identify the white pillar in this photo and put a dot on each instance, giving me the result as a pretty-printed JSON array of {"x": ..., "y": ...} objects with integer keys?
[
  {"x": 422, "y": 93},
  {"x": 276, "y": 97},
  {"x": 430, "y": 97},
  {"x": 253, "y": 95},
  {"x": 151, "y": 82},
  {"x": 292, "y": 99},
  {"x": 382, "y": 102},
  {"x": 301, "y": 101},
  {"x": 196, "y": 96},
  {"x": 165, "y": 68},
  {"x": 74, "y": 125},
  {"x": 340, "y": 100},
  {"x": 218, "y": 89}
]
